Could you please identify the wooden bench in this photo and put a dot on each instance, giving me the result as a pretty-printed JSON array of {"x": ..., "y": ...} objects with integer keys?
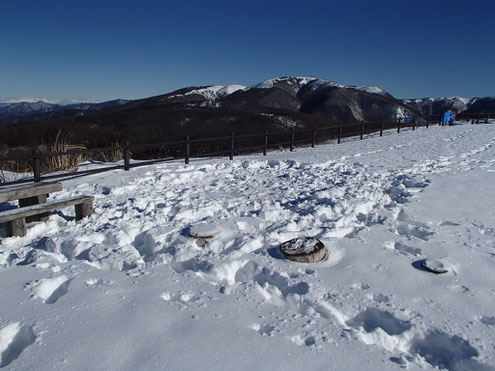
[
  {"x": 33, "y": 206},
  {"x": 15, "y": 219},
  {"x": 30, "y": 194}
]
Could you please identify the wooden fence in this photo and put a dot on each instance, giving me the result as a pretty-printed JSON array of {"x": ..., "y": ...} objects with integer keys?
[{"x": 233, "y": 144}]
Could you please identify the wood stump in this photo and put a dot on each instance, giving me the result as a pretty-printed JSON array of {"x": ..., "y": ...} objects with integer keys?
[
  {"x": 203, "y": 233},
  {"x": 304, "y": 250},
  {"x": 433, "y": 266}
]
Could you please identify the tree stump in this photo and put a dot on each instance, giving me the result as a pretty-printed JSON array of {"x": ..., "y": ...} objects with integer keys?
[
  {"x": 203, "y": 233},
  {"x": 433, "y": 266},
  {"x": 304, "y": 250}
]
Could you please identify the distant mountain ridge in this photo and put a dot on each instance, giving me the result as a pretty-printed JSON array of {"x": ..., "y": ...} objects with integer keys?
[
  {"x": 436, "y": 106},
  {"x": 276, "y": 105},
  {"x": 301, "y": 94},
  {"x": 25, "y": 108},
  {"x": 22, "y": 108}
]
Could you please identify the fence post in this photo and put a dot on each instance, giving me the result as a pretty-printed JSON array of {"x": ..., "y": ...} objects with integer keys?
[
  {"x": 486, "y": 118},
  {"x": 340, "y": 133},
  {"x": 313, "y": 141},
  {"x": 398, "y": 126},
  {"x": 232, "y": 144},
  {"x": 292, "y": 137},
  {"x": 265, "y": 148},
  {"x": 427, "y": 120},
  {"x": 188, "y": 150},
  {"x": 127, "y": 157},
  {"x": 478, "y": 118},
  {"x": 414, "y": 123},
  {"x": 36, "y": 165},
  {"x": 362, "y": 130},
  {"x": 381, "y": 127}
]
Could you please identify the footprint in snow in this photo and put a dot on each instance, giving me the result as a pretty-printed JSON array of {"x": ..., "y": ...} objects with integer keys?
[
  {"x": 51, "y": 289},
  {"x": 14, "y": 338},
  {"x": 448, "y": 223},
  {"x": 266, "y": 330},
  {"x": 488, "y": 320},
  {"x": 371, "y": 319},
  {"x": 447, "y": 352},
  {"x": 299, "y": 340},
  {"x": 403, "y": 249}
]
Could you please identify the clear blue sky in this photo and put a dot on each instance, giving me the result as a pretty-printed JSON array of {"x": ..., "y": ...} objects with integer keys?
[{"x": 101, "y": 50}]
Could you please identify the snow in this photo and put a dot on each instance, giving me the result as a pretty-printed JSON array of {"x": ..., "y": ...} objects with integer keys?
[
  {"x": 369, "y": 89},
  {"x": 453, "y": 98},
  {"x": 209, "y": 92},
  {"x": 129, "y": 288},
  {"x": 213, "y": 92},
  {"x": 321, "y": 84},
  {"x": 229, "y": 89},
  {"x": 270, "y": 83}
]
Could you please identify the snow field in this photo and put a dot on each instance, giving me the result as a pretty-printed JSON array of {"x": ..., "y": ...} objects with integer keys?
[{"x": 139, "y": 291}]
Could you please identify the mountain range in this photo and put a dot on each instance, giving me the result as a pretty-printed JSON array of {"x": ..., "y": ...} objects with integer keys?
[
  {"x": 275, "y": 104},
  {"x": 25, "y": 108}
]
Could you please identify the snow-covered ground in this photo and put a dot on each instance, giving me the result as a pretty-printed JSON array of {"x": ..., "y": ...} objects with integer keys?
[{"x": 128, "y": 288}]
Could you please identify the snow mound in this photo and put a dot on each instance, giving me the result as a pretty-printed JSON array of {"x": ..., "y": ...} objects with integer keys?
[
  {"x": 369, "y": 89},
  {"x": 229, "y": 89}
]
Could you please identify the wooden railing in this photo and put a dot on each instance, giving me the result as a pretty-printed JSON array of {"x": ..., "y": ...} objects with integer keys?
[{"x": 232, "y": 145}]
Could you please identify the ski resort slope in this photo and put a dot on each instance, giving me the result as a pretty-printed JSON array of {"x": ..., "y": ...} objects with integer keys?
[{"x": 129, "y": 288}]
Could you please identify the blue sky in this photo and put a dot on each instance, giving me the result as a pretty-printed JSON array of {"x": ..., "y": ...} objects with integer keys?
[{"x": 101, "y": 50}]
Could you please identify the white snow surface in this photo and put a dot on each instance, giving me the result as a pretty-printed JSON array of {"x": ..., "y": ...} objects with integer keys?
[
  {"x": 229, "y": 89},
  {"x": 270, "y": 83},
  {"x": 213, "y": 92},
  {"x": 369, "y": 89},
  {"x": 128, "y": 288}
]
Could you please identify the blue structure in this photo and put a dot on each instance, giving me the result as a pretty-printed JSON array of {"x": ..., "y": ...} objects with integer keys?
[{"x": 448, "y": 118}]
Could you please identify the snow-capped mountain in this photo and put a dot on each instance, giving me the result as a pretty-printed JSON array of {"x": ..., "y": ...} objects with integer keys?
[
  {"x": 275, "y": 105},
  {"x": 456, "y": 104},
  {"x": 207, "y": 111},
  {"x": 20, "y": 108},
  {"x": 434, "y": 106},
  {"x": 291, "y": 85},
  {"x": 307, "y": 94}
]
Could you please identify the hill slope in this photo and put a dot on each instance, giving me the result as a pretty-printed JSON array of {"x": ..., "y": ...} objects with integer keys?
[
  {"x": 274, "y": 105},
  {"x": 129, "y": 288}
]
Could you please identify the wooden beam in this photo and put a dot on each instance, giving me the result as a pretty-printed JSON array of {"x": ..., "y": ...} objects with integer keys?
[
  {"x": 28, "y": 190},
  {"x": 15, "y": 227},
  {"x": 24, "y": 202},
  {"x": 24, "y": 212}
]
